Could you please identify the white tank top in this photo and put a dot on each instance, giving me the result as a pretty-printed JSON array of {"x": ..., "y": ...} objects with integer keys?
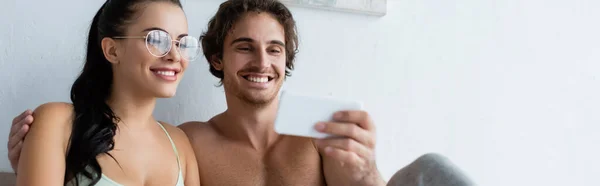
[{"x": 105, "y": 181}]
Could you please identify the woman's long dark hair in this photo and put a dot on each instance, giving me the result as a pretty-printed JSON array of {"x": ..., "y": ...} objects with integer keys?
[{"x": 94, "y": 124}]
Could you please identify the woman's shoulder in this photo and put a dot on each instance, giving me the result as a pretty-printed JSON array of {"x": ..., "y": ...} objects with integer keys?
[
  {"x": 60, "y": 108},
  {"x": 181, "y": 141},
  {"x": 186, "y": 154},
  {"x": 53, "y": 113},
  {"x": 176, "y": 133},
  {"x": 45, "y": 145},
  {"x": 52, "y": 124}
]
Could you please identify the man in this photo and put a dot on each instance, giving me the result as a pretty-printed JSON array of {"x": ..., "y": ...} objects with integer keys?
[{"x": 251, "y": 46}]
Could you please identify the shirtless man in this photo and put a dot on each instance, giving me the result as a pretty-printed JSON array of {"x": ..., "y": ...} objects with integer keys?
[
  {"x": 251, "y": 46},
  {"x": 239, "y": 146}
]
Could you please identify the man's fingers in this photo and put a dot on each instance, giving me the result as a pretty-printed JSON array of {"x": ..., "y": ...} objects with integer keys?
[
  {"x": 347, "y": 130},
  {"x": 13, "y": 156},
  {"x": 344, "y": 156},
  {"x": 27, "y": 120},
  {"x": 346, "y": 144},
  {"x": 17, "y": 138},
  {"x": 359, "y": 117},
  {"x": 21, "y": 116},
  {"x": 16, "y": 151}
]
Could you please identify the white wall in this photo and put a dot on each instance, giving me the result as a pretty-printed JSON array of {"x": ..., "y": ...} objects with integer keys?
[{"x": 506, "y": 89}]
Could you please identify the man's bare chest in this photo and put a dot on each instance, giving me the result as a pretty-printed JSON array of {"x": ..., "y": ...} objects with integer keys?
[{"x": 291, "y": 161}]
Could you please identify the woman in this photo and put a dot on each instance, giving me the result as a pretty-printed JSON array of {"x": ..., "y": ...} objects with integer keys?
[{"x": 137, "y": 52}]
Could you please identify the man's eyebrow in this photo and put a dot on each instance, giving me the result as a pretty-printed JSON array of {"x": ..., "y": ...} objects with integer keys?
[
  {"x": 245, "y": 39},
  {"x": 277, "y": 42},
  {"x": 156, "y": 28},
  {"x": 242, "y": 39}
]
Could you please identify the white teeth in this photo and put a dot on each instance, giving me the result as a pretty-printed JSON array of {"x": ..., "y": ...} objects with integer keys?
[
  {"x": 166, "y": 73},
  {"x": 258, "y": 79}
]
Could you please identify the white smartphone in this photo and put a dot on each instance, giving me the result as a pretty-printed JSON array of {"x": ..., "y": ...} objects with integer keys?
[{"x": 297, "y": 114}]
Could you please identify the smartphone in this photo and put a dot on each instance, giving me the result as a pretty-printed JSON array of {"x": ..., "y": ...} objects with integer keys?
[{"x": 298, "y": 114}]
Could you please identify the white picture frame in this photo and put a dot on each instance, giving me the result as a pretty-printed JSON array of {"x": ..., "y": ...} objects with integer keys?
[{"x": 369, "y": 7}]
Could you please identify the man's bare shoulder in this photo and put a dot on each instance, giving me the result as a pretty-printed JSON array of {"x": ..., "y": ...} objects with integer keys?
[
  {"x": 195, "y": 126},
  {"x": 197, "y": 129}
]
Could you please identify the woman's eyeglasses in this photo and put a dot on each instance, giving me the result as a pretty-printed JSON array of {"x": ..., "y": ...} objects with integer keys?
[{"x": 159, "y": 44}]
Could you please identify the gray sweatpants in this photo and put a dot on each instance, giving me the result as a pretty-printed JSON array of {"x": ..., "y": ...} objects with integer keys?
[{"x": 430, "y": 170}]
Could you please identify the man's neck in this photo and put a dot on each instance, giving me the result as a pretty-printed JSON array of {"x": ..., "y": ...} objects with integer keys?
[{"x": 252, "y": 124}]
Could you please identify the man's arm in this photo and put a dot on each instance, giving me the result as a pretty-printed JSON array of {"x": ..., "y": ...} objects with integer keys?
[
  {"x": 44, "y": 148},
  {"x": 19, "y": 128},
  {"x": 350, "y": 158}
]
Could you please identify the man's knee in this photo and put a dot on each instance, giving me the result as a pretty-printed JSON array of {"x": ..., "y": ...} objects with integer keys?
[{"x": 430, "y": 170}]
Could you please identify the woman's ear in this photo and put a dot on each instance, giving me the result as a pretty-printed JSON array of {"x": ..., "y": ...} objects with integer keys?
[
  {"x": 109, "y": 49},
  {"x": 216, "y": 62}
]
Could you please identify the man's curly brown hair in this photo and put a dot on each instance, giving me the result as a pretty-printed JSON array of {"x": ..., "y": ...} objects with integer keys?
[{"x": 230, "y": 12}]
